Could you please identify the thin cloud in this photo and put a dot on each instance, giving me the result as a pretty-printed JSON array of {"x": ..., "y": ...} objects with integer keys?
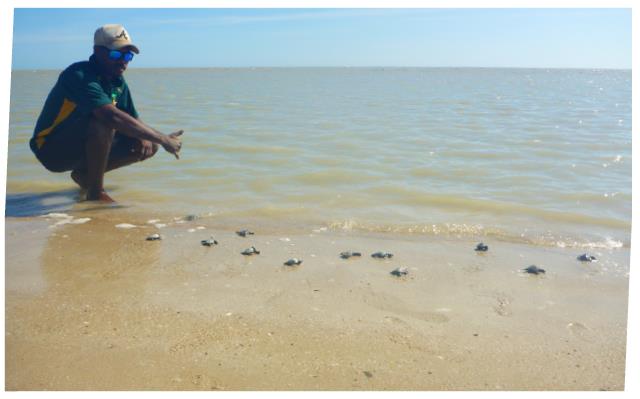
[
  {"x": 49, "y": 38},
  {"x": 244, "y": 19}
]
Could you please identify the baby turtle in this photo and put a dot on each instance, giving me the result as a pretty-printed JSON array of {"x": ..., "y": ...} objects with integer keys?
[
  {"x": 154, "y": 237},
  {"x": 244, "y": 233},
  {"x": 400, "y": 271},
  {"x": 190, "y": 218},
  {"x": 587, "y": 258},
  {"x": 293, "y": 262},
  {"x": 382, "y": 255},
  {"x": 250, "y": 251},
  {"x": 210, "y": 242},
  {"x": 533, "y": 269},
  {"x": 349, "y": 254},
  {"x": 482, "y": 247}
]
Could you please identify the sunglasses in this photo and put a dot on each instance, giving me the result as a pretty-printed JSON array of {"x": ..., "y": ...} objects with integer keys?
[{"x": 116, "y": 55}]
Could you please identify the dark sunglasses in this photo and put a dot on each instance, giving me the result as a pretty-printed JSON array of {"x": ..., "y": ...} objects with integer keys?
[{"x": 116, "y": 55}]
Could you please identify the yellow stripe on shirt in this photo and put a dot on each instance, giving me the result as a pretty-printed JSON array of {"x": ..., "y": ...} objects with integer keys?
[{"x": 66, "y": 110}]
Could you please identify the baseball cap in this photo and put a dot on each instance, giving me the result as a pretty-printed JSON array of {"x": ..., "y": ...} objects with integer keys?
[{"x": 113, "y": 37}]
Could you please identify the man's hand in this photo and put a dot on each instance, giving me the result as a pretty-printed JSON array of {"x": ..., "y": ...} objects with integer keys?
[
  {"x": 173, "y": 143},
  {"x": 121, "y": 121},
  {"x": 147, "y": 149}
]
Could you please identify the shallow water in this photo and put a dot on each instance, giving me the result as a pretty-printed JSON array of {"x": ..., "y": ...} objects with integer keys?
[{"x": 537, "y": 155}]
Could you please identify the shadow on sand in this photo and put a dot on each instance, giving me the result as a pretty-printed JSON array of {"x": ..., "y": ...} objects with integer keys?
[{"x": 36, "y": 204}]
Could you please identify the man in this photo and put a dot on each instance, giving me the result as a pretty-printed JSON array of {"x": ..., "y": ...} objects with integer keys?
[{"x": 89, "y": 124}]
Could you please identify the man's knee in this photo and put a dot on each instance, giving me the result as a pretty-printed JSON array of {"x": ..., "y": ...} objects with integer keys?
[{"x": 100, "y": 131}]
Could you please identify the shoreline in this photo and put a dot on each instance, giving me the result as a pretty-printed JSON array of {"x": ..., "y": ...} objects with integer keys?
[
  {"x": 90, "y": 307},
  {"x": 581, "y": 237}
]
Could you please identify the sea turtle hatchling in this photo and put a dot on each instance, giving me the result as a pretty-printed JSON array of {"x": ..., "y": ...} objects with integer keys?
[
  {"x": 382, "y": 255},
  {"x": 587, "y": 258},
  {"x": 154, "y": 237},
  {"x": 244, "y": 233},
  {"x": 349, "y": 254},
  {"x": 482, "y": 247},
  {"x": 250, "y": 251},
  {"x": 533, "y": 269},
  {"x": 209, "y": 243},
  {"x": 400, "y": 271},
  {"x": 293, "y": 262}
]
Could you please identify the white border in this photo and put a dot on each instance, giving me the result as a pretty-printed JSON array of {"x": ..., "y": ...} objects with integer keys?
[
  {"x": 6, "y": 37},
  {"x": 6, "y": 34}
]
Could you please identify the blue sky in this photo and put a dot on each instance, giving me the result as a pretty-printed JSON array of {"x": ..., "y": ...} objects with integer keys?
[{"x": 545, "y": 38}]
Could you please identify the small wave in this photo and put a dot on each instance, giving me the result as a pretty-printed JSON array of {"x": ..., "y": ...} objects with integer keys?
[
  {"x": 596, "y": 198},
  {"x": 413, "y": 197},
  {"x": 261, "y": 185},
  {"x": 241, "y": 106},
  {"x": 333, "y": 176},
  {"x": 327, "y": 161},
  {"x": 427, "y": 172},
  {"x": 251, "y": 148},
  {"x": 269, "y": 213},
  {"x": 461, "y": 230},
  {"x": 19, "y": 140},
  {"x": 467, "y": 155},
  {"x": 448, "y": 229},
  {"x": 607, "y": 243}
]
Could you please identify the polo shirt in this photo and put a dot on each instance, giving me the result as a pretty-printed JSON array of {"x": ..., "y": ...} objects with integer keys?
[{"x": 79, "y": 90}]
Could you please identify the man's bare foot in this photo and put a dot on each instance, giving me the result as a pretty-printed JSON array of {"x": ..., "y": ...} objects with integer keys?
[
  {"x": 99, "y": 195},
  {"x": 79, "y": 178}
]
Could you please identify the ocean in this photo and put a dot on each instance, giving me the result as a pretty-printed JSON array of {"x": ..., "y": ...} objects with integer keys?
[{"x": 541, "y": 156}]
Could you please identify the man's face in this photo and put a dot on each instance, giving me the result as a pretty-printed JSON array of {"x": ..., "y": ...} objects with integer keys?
[{"x": 111, "y": 67}]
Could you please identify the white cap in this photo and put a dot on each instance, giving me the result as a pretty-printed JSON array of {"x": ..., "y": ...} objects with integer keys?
[{"x": 113, "y": 37}]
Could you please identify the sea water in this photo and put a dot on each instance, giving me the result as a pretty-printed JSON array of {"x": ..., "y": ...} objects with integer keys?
[{"x": 541, "y": 155}]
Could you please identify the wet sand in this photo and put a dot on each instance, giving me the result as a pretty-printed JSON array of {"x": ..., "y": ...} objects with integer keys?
[{"x": 94, "y": 307}]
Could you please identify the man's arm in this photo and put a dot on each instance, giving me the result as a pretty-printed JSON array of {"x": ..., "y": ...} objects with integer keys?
[{"x": 130, "y": 126}]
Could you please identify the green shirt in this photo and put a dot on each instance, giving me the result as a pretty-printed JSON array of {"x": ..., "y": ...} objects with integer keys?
[{"x": 79, "y": 90}]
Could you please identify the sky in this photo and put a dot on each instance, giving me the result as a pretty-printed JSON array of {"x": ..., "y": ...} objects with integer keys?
[{"x": 536, "y": 38}]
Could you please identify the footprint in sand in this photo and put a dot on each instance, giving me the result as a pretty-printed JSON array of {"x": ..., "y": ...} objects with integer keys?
[
  {"x": 394, "y": 305},
  {"x": 501, "y": 302},
  {"x": 503, "y": 305},
  {"x": 472, "y": 268},
  {"x": 395, "y": 320},
  {"x": 581, "y": 331}
]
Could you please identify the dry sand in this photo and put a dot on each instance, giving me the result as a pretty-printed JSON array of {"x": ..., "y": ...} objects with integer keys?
[{"x": 94, "y": 307}]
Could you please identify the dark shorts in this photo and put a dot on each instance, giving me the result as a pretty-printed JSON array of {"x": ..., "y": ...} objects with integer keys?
[{"x": 65, "y": 149}]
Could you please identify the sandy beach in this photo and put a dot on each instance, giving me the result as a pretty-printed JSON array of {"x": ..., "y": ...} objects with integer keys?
[{"x": 91, "y": 306}]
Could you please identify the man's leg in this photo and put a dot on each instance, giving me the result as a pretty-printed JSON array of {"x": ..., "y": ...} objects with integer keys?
[
  {"x": 98, "y": 146},
  {"x": 123, "y": 151},
  {"x": 79, "y": 175}
]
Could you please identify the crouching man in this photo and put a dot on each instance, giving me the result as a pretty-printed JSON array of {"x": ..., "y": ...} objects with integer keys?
[{"x": 89, "y": 124}]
